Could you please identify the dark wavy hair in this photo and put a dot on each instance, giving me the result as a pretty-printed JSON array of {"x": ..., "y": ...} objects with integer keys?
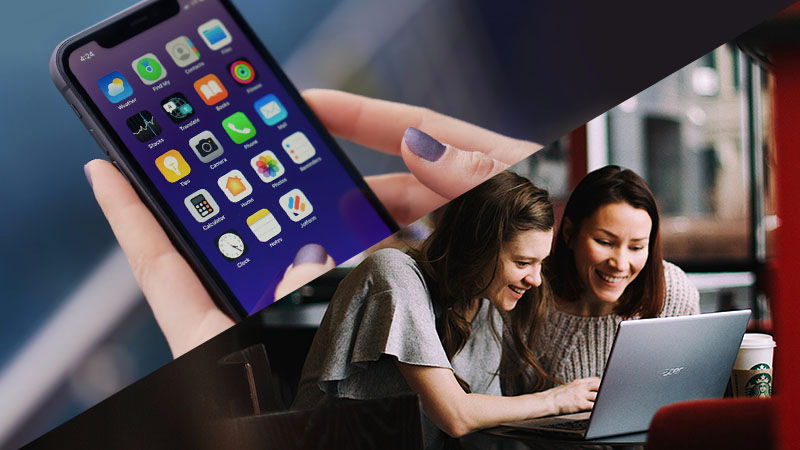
[
  {"x": 460, "y": 259},
  {"x": 644, "y": 297}
]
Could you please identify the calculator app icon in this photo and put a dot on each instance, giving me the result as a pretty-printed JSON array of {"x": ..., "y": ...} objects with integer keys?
[{"x": 201, "y": 205}]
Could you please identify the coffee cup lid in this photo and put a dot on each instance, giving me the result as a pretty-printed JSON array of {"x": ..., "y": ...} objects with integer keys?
[{"x": 757, "y": 340}]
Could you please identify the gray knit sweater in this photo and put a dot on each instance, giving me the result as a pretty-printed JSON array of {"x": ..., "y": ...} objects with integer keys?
[{"x": 577, "y": 347}]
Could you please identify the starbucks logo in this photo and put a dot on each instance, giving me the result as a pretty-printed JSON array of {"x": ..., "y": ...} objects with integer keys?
[
  {"x": 759, "y": 386},
  {"x": 760, "y": 366}
]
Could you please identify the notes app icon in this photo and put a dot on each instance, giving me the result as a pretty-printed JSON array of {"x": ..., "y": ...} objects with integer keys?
[{"x": 263, "y": 225}]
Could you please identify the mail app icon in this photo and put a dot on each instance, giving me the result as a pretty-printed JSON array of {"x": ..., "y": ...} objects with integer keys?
[{"x": 270, "y": 109}]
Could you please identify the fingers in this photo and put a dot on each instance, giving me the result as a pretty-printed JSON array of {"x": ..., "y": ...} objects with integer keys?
[
  {"x": 404, "y": 196},
  {"x": 183, "y": 309},
  {"x": 310, "y": 262},
  {"x": 444, "y": 168},
  {"x": 380, "y": 124}
]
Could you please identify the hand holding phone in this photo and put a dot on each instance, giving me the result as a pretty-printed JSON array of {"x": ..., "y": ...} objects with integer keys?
[
  {"x": 189, "y": 317},
  {"x": 218, "y": 144}
]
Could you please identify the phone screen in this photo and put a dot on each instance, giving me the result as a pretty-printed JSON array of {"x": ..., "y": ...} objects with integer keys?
[{"x": 208, "y": 121}]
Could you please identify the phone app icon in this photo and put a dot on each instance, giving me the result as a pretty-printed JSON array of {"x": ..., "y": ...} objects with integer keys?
[
  {"x": 242, "y": 71},
  {"x": 270, "y": 109},
  {"x": 235, "y": 185},
  {"x": 201, "y": 205},
  {"x": 298, "y": 147},
  {"x": 144, "y": 126},
  {"x": 177, "y": 107},
  {"x": 149, "y": 68},
  {"x": 239, "y": 127},
  {"x": 214, "y": 34},
  {"x": 173, "y": 166},
  {"x": 231, "y": 245},
  {"x": 210, "y": 89},
  {"x": 182, "y": 51},
  {"x": 206, "y": 146},
  {"x": 263, "y": 224},
  {"x": 296, "y": 205},
  {"x": 115, "y": 87},
  {"x": 267, "y": 166}
]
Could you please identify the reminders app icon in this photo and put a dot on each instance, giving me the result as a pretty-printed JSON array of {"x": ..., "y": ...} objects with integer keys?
[
  {"x": 298, "y": 147},
  {"x": 115, "y": 87}
]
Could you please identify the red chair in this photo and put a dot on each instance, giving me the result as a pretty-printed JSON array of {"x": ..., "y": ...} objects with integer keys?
[{"x": 742, "y": 423}]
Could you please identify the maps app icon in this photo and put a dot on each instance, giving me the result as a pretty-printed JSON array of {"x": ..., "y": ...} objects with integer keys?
[{"x": 115, "y": 87}]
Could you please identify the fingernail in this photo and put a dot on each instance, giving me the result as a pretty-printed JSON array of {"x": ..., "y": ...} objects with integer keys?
[
  {"x": 310, "y": 254},
  {"x": 423, "y": 145},
  {"x": 88, "y": 174}
]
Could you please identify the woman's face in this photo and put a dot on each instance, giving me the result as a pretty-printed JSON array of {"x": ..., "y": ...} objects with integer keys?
[
  {"x": 611, "y": 248},
  {"x": 519, "y": 267}
]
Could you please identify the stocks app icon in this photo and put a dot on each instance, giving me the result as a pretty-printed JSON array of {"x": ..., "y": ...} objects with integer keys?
[{"x": 144, "y": 126}]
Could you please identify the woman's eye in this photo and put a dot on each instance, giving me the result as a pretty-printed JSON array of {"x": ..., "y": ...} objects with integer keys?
[
  {"x": 523, "y": 263},
  {"x": 636, "y": 249},
  {"x": 603, "y": 242}
]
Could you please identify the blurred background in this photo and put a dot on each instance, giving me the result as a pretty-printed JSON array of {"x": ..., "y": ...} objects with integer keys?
[{"x": 75, "y": 327}]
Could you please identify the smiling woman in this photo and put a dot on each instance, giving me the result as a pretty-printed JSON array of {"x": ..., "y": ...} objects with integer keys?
[
  {"x": 430, "y": 322},
  {"x": 606, "y": 267}
]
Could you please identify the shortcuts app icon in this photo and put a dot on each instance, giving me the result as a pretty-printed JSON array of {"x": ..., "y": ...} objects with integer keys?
[{"x": 115, "y": 87}]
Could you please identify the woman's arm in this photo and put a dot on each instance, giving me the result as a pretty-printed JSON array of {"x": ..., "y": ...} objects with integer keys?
[{"x": 457, "y": 413}]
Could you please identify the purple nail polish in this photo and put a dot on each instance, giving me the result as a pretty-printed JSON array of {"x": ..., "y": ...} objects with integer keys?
[
  {"x": 88, "y": 174},
  {"x": 310, "y": 254},
  {"x": 423, "y": 145}
]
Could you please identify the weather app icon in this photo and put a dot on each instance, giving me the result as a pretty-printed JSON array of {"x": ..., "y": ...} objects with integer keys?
[{"x": 115, "y": 87}]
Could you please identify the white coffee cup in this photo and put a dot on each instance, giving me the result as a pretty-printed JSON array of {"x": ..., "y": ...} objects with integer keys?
[{"x": 752, "y": 371}]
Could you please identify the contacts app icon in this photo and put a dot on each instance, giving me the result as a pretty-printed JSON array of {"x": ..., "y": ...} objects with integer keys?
[{"x": 115, "y": 87}]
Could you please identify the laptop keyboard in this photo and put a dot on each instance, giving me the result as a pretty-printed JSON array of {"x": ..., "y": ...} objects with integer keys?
[{"x": 572, "y": 425}]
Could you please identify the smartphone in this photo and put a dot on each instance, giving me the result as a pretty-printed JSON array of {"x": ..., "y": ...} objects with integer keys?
[{"x": 189, "y": 105}]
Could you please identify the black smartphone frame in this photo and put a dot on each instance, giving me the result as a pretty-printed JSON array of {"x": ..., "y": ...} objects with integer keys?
[{"x": 131, "y": 22}]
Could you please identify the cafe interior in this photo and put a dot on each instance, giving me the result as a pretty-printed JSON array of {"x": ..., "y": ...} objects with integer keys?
[{"x": 715, "y": 141}]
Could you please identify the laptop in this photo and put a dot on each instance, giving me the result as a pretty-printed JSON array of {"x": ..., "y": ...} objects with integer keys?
[{"x": 653, "y": 363}]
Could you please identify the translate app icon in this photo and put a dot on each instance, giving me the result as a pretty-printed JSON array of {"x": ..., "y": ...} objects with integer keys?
[{"x": 115, "y": 87}]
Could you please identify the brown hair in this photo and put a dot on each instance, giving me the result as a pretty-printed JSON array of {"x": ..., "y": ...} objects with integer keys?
[
  {"x": 644, "y": 297},
  {"x": 468, "y": 237}
]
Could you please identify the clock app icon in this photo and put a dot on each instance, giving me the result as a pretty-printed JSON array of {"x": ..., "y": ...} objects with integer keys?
[{"x": 231, "y": 245}]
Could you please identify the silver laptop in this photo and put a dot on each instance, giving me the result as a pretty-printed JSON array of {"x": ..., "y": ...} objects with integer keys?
[{"x": 653, "y": 363}]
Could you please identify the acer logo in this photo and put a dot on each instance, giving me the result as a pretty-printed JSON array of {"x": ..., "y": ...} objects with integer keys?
[{"x": 673, "y": 371}]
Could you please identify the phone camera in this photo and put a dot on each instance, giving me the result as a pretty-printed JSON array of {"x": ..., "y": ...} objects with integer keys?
[{"x": 206, "y": 146}]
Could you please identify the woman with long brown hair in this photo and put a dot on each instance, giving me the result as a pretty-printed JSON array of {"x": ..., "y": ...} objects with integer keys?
[
  {"x": 431, "y": 321},
  {"x": 607, "y": 266}
]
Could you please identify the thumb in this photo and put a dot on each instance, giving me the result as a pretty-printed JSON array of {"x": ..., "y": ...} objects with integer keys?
[
  {"x": 312, "y": 260},
  {"x": 445, "y": 169}
]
